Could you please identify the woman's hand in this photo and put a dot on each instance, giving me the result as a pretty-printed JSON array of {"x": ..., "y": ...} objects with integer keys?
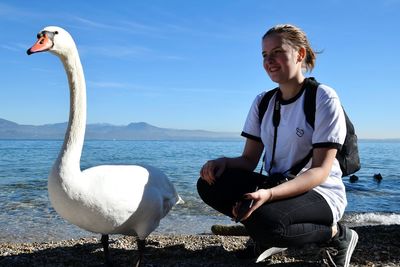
[
  {"x": 259, "y": 197},
  {"x": 247, "y": 161},
  {"x": 213, "y": 169}
]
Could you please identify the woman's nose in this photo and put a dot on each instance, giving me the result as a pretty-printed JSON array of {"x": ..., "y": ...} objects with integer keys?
[{"x": 268, "y": 60}]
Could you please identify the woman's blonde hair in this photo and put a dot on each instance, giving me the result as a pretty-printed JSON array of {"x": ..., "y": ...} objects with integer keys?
[{"x": 297, "y": 38}]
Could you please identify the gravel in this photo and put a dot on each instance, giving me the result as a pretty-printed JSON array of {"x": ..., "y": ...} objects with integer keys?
[{"x": 378, "y": 246}]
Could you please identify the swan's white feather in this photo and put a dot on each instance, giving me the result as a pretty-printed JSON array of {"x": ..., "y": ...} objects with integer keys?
[
  {"x": 124, "y": 199},
  {"x": 107, "y": 199}
]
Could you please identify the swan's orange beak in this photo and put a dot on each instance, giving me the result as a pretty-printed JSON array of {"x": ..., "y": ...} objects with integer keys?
[{"x": 43, "y": 44}]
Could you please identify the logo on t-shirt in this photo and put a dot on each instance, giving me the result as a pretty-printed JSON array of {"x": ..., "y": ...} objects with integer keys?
[{"x": 299, "y": 132}]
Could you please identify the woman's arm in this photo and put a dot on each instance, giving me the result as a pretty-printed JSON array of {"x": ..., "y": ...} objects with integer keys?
[
  {"x": 247, "y": 161},
  {"x": 250, "y": 156},
  {"x": 321, "y": 166}
]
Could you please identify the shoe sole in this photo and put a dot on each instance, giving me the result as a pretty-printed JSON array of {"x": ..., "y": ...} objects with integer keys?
[{"x": 268, "y": 253}]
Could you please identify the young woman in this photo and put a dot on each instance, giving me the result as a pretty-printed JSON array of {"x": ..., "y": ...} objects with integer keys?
[{"x": 305, "y": 207}]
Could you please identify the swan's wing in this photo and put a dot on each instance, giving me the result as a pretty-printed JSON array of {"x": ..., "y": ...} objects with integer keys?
[
  {"x": 160, "y": 182},
  {"x": 120, "y": 190},
  {"x": 117, "y": 189}
]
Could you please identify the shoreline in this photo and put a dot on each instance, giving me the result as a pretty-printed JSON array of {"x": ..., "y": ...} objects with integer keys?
[{"x": 377, "y": 246}]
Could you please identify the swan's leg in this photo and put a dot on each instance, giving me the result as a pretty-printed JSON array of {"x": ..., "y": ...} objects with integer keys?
[
  {"x": 141, "y": 244},
  {"x": 104, "y": 242}
]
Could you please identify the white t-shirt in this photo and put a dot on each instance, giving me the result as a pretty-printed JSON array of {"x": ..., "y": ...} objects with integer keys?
[{"x": 296, "y": 138}]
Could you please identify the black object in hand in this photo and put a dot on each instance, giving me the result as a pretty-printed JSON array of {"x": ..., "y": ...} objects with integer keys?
[{"x": 244, "y": 207}]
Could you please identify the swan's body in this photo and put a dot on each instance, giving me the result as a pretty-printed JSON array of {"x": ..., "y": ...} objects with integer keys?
[
  {"x": 108, "y": 199},
  {"x": 112, "y": 199}
]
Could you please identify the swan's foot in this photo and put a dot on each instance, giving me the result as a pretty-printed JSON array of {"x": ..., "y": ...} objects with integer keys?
[
  {"x": 141, "y": 244},
  {"x": 104, "y": 242}
]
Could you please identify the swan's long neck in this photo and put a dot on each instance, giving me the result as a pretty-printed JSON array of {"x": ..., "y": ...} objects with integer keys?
[{"x": 70, "y": 154}]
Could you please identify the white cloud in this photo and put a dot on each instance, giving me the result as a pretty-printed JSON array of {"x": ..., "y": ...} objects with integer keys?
[
  {"x": 19, "y": 47},
  {"x": 108, "y": 85},
  {"x": 15, "y": 13},
  {"x": 94, "y": 24},
  {"x": 117, "y": 51},
  {"x": 10, "y": 48},
  {"x": 123, "y": 26},
  {"x": 127, "y": 52}
]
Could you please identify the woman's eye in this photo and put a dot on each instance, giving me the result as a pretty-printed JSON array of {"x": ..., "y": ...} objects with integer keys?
[{"x": 272, "y": 53}]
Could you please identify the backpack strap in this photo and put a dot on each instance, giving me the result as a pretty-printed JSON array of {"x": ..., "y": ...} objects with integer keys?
[
  {"x": 263, "y": 106},
  {"x": 348, "y": 155},
  {"x": 276, "y": 118},
  {"x": 309, "y": 107},
  {"x": 310, "y": 96}
]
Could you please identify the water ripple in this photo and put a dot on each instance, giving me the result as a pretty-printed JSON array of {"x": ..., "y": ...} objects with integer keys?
[{"x": 26, "y": 209}]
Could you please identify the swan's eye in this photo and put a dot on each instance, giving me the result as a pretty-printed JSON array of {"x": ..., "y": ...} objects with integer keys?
[
  {"x": 50, "y": 35},
  {"x": 39, "y": 35}
]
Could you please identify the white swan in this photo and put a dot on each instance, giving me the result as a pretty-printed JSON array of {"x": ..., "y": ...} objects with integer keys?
[{"x": 108, "y": 199}]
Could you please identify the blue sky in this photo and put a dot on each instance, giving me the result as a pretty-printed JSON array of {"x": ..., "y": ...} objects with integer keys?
[{"x": 196, "y": 64}]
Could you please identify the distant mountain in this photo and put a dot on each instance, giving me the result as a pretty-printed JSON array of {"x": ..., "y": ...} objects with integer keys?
[{"x": 104, "y": 131}]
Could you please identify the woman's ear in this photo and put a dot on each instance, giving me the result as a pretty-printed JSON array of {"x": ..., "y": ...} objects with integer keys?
[{"x": 301, "y": 54}]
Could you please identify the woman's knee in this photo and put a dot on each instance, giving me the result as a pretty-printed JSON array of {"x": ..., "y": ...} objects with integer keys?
[
  {"x": 267, "y": 234},
  {"x": 208, "y": 193},
  {"x": 203, "y": 188}
]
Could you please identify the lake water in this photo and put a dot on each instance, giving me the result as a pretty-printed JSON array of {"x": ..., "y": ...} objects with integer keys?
[{"x": 26, "y": 213}]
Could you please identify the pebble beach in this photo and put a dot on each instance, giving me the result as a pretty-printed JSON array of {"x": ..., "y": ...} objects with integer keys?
[{"x": 377, "y": 246}]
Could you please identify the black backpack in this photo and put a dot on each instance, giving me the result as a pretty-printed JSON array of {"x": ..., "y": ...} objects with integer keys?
[{"x": 348, "y": 157}]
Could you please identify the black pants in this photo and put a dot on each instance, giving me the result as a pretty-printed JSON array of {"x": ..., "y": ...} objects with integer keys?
[{"x": 295, "y": 221}]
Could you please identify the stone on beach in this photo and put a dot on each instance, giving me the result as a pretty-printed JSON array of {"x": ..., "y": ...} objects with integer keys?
[{"x": 378, "y": 246}]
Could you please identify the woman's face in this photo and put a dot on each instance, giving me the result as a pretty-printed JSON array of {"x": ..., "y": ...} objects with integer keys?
[{"x": 281, "y": 60}]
